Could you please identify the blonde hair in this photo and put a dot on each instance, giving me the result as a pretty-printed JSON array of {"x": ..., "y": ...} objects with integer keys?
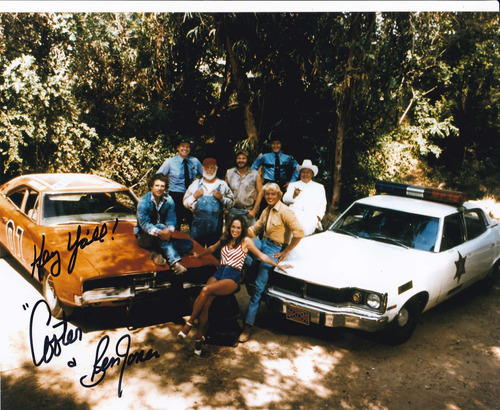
[{"x": 272, "y": 186}]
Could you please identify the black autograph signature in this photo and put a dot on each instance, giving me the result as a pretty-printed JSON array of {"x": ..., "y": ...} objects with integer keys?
[
  {"x": 40, "y": 260},
  {"x": 49, "y": 341},
  {"x": 123, "y": 357},
  {"x": 53, "y": 343}
]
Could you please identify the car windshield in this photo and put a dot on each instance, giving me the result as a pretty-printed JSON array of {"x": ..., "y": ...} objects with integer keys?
[
  {"x": 387, "y": 225},
  {"x": 87, "y": 207}
]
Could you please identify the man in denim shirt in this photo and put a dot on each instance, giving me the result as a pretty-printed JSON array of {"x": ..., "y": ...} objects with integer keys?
[
  {"x": 181, "y": 170},
  {"x": 155, "y": 224}
]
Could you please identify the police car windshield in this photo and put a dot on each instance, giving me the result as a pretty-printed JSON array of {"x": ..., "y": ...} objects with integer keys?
[{"x": 390, "y": 226}]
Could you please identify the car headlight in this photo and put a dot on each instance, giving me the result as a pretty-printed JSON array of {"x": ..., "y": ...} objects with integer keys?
[{"x": 373, "y": 301}]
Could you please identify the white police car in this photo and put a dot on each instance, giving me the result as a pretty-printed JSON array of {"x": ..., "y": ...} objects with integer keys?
[{"x": 387, "y": 259}]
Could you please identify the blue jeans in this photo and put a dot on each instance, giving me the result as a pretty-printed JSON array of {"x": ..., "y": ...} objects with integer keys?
[
  {"x": 269, "y": 249},
  {"x": 244, "y": 213},
  {"x": 228, "y": 272},
  {"x": 171, "y": 250}
]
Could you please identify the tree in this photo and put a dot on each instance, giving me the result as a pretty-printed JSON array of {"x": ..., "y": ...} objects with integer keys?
[{"x": 40, "y": 129}]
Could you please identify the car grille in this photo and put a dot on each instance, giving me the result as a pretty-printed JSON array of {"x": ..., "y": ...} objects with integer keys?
[
  {"x": 193, "y": 277},
  {"x": 310, "y": 291}
]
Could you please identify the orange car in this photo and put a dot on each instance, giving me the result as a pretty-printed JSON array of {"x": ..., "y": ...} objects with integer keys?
[{"x": 75, "y": 234}]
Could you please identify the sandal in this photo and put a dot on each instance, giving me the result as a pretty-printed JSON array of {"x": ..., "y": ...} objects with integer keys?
[
  {"x": 199, "y": 345},
  {"x": 184, "y": 332}
]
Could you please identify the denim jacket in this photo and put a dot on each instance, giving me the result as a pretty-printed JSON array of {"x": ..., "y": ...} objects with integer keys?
[{"x": 148, "y": 216}]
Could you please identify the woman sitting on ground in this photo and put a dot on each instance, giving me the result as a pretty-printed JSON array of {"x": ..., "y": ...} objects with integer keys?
[{"x": 235, "y": 245}]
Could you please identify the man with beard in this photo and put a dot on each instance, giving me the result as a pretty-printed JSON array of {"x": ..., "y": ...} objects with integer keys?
[
  {"x": 181, "y": 170},
  {"x": 207, "y": 198},
  {"x": 246, "y": 184}
]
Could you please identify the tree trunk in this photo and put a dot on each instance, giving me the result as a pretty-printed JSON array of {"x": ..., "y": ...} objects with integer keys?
[
  {"x": 343, "y": 115},
  {"x": 344, "y": 110},
  {"x": 243, "y": 90}
]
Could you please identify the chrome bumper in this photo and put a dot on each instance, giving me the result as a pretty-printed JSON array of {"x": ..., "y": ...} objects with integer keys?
[
  {"x": 116, "y": 295},
  {"x": 326, "y": 315}
]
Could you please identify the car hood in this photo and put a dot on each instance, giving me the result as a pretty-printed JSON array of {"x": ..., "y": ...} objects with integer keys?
[
  {"x": 115, "y": 252},
  {"x": 337, "y": 260}
]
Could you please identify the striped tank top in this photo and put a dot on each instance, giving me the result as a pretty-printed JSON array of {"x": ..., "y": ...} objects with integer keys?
[{"x": 234, "y": 257}]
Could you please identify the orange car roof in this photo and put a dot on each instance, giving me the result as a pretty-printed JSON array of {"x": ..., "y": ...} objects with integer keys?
[{"x": 66, "y": 182}]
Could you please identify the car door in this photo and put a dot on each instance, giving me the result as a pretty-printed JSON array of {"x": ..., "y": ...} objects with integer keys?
[
  {"x": 455, "y": 252},
  {"x": 480, "y": 243},
  {"x": 10, "y": 231},
  {"x": 468, "y": 253},
  {"x": 19, "y": 224}
]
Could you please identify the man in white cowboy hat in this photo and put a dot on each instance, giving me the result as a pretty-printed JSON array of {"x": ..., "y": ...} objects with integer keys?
[{"x": 306, "y": 198}]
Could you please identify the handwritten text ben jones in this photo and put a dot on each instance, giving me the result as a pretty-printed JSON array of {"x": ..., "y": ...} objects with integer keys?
[{"x": 48, "y": 341}]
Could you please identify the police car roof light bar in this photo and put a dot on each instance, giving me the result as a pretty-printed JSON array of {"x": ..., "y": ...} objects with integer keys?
[{"x": 414, "y": 191}]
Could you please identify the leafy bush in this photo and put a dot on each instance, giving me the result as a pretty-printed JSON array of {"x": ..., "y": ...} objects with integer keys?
[{"x": 131, "y": 163}]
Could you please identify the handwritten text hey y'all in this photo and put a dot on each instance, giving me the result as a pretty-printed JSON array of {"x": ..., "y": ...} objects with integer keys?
[{"x": 45, "y": 256}]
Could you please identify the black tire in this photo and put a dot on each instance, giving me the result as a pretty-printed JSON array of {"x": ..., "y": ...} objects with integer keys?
[
  {"x": 403, "y": 325},
  {"x": 57, "y": 308},
  {"x": 3, "y": 251},
  {"x": 491, "y": 279}
]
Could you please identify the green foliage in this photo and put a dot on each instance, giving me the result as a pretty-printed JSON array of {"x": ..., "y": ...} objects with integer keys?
[
  {"x": 39, "y": 127},
  {"x": 402, "y": 150},
  {"x": 417, "y": 94},
  {"x": 131, "y": 163}
]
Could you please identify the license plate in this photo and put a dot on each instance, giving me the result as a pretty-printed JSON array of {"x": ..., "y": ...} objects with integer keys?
[{"x": 298, "y": 315}]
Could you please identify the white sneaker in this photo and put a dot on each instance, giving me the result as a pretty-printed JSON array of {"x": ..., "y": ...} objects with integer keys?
[
  {"x": 158, "y": 258},
  {"x": 178, "y": 269}
]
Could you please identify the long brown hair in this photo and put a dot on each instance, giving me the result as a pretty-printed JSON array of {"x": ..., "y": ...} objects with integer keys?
[{"x": 226, "y": 235}]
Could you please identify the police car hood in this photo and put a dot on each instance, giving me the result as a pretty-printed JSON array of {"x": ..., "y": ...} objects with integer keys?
[{"x": 337, "y": 260}]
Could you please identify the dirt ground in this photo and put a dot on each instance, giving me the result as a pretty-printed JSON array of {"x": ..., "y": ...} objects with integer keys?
[{"x": 451, "y": 362}]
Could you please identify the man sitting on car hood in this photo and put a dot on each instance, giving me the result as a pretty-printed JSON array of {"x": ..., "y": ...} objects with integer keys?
[{"x": 155, "y": 223}]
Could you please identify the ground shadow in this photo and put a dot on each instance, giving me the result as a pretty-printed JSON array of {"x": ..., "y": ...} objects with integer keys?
[{"x": 29, "y": 392}]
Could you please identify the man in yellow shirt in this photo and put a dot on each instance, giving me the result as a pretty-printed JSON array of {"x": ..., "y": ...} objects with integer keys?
[{"x": 281, "y": 233}]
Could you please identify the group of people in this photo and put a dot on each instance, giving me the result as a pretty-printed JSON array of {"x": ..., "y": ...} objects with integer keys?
[{"x": 294, "y": 208}]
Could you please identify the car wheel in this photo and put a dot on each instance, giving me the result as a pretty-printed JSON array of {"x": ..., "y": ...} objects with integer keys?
[
  {"x": 403, "y": 325},
  {"x": 57, "y": 309},
  {"x": 3, "y": 251},
  {"x": 493, "y": 276}
]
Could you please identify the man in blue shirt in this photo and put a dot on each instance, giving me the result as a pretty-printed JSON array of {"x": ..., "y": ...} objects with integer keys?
[
  {"x": 181, "y": 170},
  {"x": 278, "y": 167},
  {"x": 156, "y": 223}
]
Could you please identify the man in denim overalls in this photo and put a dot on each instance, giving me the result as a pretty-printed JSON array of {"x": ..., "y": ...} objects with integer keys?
[{"x": 207, "y": 198}]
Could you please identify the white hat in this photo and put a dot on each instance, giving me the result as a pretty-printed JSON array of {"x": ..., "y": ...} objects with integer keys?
[{"x": 307, "y": 164}]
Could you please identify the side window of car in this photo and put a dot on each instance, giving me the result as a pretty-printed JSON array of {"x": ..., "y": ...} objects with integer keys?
[
  {"x": 17, "y": 197},
  {"x": 474, "y": 223},
  {"x": 31, "y": 207},
  {"x": 453, "y": 234}
]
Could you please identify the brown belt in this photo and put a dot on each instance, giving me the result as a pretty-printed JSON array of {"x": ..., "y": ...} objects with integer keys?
[{"x": 273, "y": 242}]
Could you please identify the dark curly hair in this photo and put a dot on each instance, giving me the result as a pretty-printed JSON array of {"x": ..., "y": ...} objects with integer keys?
[
  {"x": 161, "y": 177},
  {"x": 226, "y": 235}
]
